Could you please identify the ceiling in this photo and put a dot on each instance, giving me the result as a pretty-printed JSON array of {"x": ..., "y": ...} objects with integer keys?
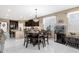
[{"x": 17, "y": 12}]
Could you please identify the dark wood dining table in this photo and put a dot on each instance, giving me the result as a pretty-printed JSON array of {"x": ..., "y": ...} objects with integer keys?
[{"x": 34, "y": 38}]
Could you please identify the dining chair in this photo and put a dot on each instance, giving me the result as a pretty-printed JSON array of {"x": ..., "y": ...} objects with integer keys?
[
  {"x": 26, "y": 39},
  {"x": 41, "y": 39},
  {"x": 66, "y": 40},
  {"x": 33, "y": 39},
  {"x": 29, "y": 39},
  {"x": 46, "y": 36}
]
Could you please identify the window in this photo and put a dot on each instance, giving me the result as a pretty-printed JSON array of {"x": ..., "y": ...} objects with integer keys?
[
  {"x": 73, "y": 21},
  {"x": 49, "y": 21}
]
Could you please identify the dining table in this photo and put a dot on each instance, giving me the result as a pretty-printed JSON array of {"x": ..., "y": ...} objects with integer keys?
[{"x": 34, "y": 37}]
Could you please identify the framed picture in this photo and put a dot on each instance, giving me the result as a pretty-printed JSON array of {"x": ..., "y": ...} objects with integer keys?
[{"x": 4, "y": 26}]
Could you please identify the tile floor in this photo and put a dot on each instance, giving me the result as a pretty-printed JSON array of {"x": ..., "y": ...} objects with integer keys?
[{"x": 16, "y": 46}]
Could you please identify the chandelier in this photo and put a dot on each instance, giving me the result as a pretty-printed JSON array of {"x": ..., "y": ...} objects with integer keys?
[{"x": 36, "y": 19}]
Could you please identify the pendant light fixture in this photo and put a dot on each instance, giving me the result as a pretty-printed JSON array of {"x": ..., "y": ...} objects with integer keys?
[{"x": 36, "y": 19}]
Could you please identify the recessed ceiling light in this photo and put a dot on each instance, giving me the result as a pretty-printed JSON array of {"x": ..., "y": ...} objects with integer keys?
[{"x": 9, "y": 10}]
